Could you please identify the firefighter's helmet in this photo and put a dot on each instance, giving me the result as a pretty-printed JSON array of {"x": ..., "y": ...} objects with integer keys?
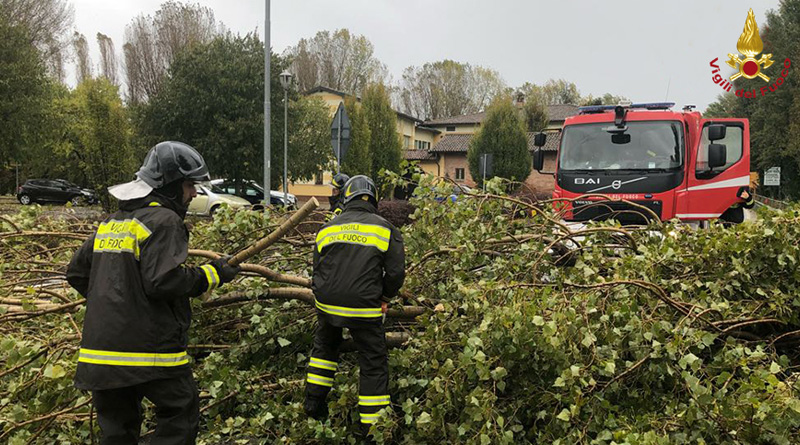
[
  {"x": 340, "y": 180},
  {"x": 165, "y": 163},
  {"x": 359, "y": 185}
]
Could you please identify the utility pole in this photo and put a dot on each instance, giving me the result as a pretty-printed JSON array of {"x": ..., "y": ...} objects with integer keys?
[
  {"x": 267, "y": 118},
  {"x": 485, "y": 166},
  {"x": 286, "y": 82},
  {"x": 339, "y": 148}
]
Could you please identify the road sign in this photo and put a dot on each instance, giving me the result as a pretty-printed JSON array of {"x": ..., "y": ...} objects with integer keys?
[
  {"x": 340, "y": 135},
  {"x": 486, "y": 167},
  {"x": 772, "y": 177}
]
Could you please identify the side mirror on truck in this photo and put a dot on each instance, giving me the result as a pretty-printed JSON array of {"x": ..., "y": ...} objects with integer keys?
[
  {"x": 717, "y": 154},
  {"x": 539, "y": 139},
  {"x": 716, "y": 132},
  {"x": 538, "y": 159}
]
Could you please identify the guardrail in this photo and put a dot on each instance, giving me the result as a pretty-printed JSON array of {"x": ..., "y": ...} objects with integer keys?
[{"x": 771, "y": 202}]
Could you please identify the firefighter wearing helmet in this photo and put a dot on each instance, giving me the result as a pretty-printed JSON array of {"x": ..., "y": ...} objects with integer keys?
[
  {"x": 337, "y": 206},
  {"x": 138, "y": 292},
  {"x": 359, "y": 264}
]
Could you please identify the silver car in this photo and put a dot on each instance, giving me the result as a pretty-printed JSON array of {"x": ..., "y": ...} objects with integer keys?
[{"x": 207, "y": 201}]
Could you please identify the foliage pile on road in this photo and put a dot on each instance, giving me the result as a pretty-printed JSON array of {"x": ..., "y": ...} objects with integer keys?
[{"x": 663, "y": 334}]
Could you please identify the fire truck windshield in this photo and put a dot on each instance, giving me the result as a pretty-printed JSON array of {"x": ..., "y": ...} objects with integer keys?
[{"x": 653, "y": 145}]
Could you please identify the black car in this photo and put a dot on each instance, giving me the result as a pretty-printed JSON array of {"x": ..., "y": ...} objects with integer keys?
[
  {"x": 54, "y": 190},
  {"x": 252, "y": 192}
]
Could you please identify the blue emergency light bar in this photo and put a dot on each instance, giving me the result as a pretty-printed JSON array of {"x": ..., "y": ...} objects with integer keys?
[{"x": 647, "y": 106}]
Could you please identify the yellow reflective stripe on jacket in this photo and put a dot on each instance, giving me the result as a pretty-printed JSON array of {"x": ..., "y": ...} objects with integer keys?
[
  {"x": 369, "y": 418},
  {"x": 154, "y": 204},
  {"x": 374, "y": 400},
  {"x": 121, "y": 236},
  {"x": 323, "y": 364},
  {"x": 113, "y": 358},
  {"x": 211, "y": 276},
  {"x": 355, "y": 233},
  {"x": 349, "y": 311},
  {"x": 319, "y": 380}
]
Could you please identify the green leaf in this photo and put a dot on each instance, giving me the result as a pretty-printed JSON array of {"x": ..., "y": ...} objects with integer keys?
[
  {"x": 423, "y": 418},
  {"x": 564, "y": 415},
  {"x": 283, "y": 342},
  {"x": 54, "y": 372}
]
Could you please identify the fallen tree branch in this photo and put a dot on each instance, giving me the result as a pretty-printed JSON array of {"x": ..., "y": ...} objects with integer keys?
[
  {"x": 17, "y": 426},
  {"x": 270, "y": 239}
]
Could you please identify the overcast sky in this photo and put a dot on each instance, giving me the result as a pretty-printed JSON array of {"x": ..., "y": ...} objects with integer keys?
[{"x": 643, "y": 49}]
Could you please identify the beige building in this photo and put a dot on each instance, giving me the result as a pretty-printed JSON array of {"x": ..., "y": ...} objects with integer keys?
[
  {"x": 450, "y": 150},
  {"x": 417, "y": 140},
  {"x": 440, "y": 146}
]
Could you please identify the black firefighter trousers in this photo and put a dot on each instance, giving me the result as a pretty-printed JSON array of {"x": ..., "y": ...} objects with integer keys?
[
  {"x": 370, "y": 341},
  {"x": 119, "y": 412}
]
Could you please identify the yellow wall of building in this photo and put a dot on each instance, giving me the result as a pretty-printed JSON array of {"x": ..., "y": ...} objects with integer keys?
[
  {"x": 430, "y": 167},
  {"x": 424, "y": 135},
  {"x": 333, "y": 100}
]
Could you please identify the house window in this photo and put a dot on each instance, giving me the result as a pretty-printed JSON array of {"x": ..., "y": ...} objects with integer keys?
[
  {"x": 453, "y": 128},
  {"x": 407, "y": 142},
  {"x": 459, "y": 174},
  {"x": 422, "y": 145}
]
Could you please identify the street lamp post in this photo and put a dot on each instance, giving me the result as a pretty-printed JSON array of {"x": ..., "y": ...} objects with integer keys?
[
  {"x": 267, "y": 117},
  {"x": 286, "y": 82}
]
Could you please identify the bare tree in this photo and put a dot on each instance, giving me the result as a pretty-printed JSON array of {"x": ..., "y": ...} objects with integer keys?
[
  {"x": 448, "y": 88},
  {"x": 153, "y": 42},
  {"x": 337, "y": 60},
  {"x": 48, "y": 23},
  {"x": 552, "y": 92},
  {"x": 108, "y": 58},
  {"x": 84, "y": 62}
]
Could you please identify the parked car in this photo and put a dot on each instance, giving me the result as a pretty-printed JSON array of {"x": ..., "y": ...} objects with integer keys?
[
  {"x": 253, "y": 192},
  {"x": 208, "y": 201},
  {"x": 55, "y": 191},
  {"x": 457, "y": 190}
]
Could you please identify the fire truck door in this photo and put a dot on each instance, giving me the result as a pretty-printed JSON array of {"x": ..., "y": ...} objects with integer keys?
[{"x": 712, "y": 191}]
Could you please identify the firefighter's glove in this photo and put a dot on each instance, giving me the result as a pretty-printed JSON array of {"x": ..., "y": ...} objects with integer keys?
[
  {"x": 226, "y": 272},
  {"x": 744, "y": 193}
]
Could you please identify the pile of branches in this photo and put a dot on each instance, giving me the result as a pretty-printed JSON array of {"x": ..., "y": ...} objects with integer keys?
[{"x": 513, "y": 327}]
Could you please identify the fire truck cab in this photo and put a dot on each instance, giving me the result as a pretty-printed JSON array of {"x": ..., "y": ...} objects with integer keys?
[{"x": 677, "y": 164}]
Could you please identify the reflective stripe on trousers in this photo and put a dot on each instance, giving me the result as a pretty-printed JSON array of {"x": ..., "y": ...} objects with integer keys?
[
  {"x": 351, "y": 312},
  {"x": 113, "y": 358}
]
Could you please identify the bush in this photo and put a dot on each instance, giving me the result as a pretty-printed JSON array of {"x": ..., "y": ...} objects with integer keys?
[{"x": 397, "y": 212}]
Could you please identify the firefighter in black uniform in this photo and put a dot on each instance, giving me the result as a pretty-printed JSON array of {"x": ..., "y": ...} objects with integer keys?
[
  {"x": 735, "y": 214},
  {"x": 359, "y": 264},
  {"x": 337, "y": 206},
  {"x": 137, "y": 312}
]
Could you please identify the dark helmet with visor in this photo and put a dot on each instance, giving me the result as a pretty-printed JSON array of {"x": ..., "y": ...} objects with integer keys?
[
  {"x": 170, "y": 161},
  {"x": 164, "y": 164},
  {"x": 360, "y": 185},
  {"x": 340, "y": 180}
]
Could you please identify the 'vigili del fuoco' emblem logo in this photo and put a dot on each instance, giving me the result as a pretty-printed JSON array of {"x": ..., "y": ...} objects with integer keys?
[{"x": 749, "y": 45}]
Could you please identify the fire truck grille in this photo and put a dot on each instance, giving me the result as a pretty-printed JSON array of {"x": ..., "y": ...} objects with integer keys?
[{"x": 586, "y": 210}]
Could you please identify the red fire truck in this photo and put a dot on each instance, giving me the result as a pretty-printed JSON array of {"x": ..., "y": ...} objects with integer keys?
[{"x": 677, "y": 164}]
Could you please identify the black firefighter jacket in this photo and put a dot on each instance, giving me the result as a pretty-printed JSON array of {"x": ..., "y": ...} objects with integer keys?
[
  {"x": 359, "y": 260},
  {"x": 137, "y": 289}
]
